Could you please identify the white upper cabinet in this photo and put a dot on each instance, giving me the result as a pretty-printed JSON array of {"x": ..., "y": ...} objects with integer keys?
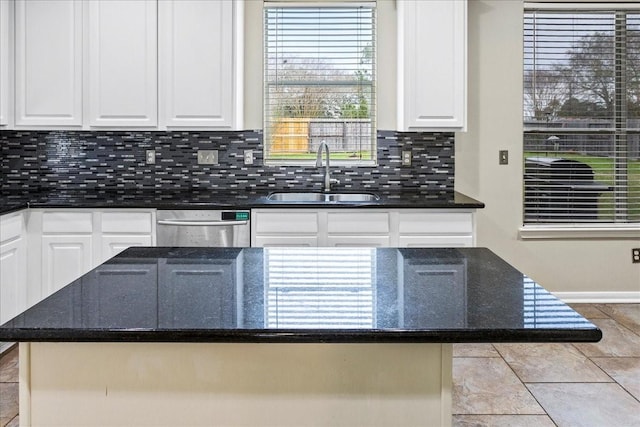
[
  {"x": 48, "y": 56},
  {"x": 432, "y": 65},
  {"x": 123, "y": 63},
  {"x": 198, "y": 64},
  {"x": 4, "y": 62}
]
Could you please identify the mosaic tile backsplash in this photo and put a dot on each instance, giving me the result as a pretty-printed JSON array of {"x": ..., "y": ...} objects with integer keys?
[{"x": 44, "y": 160}]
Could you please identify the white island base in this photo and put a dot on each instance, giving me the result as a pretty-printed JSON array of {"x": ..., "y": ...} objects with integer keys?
[{"x": 220, "y": 384}]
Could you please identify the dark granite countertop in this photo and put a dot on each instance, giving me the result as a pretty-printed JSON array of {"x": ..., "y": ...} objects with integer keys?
[
  {"x": 212, "y": 199},
  {"x": 348, "y": 295}
]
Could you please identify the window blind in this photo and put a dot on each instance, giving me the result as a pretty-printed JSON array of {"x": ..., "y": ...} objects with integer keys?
[
  {"x": 581, "y": 116},
  {"x": 319, "y": 287},
  {"x": 319, "y": 82}
]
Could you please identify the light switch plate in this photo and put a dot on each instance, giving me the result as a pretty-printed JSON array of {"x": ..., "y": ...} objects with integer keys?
[
  {"x": 504, "y": 157},
  {"x": 207, "y": 157}
]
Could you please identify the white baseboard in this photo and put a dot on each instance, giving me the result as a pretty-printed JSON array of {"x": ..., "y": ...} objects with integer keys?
[{"x": 599, "y": 297}]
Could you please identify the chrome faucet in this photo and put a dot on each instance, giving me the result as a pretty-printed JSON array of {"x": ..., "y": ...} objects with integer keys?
[{"x": 327, "y": 178}]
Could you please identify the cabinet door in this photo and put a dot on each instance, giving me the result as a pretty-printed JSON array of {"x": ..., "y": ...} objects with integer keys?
[
  {"x": 64, "y": 259},
  {"x": 13, "y": 272},
  {"x": 4, "y": 62},
  {"x": 123, "y": 229},
  {"x": 358, "y": 241},
  {"x": 112, "y": 245},
  {"x": 197, "y": 62},
  {"x": 435, "y": 241},
  {"x": 122, "y": 63},
  {"x": 432, "y": 64},
  {"x": 284, "y": 228},
  {"x": 13, "y": 266},
  {"x": 285, "y": 240},
  {"x": 48, "y": 63}
]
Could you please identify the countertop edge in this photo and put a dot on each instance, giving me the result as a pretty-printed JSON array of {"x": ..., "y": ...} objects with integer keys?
[
  {"x": 399, "y": 200},
  {"x": 306, "y": 336}
]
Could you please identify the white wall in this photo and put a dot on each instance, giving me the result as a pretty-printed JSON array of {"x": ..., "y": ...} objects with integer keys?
[{"x": 495, "y": 123}]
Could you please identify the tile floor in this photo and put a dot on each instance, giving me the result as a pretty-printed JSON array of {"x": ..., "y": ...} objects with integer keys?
[
  {"x": 514, "y": 385},
  {"x": 519, "y": 385}
]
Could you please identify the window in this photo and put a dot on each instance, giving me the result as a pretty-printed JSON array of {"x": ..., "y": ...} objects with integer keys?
[
  {"x": 581, "y": 116},
  {"x": 319, "y": 83},
  {"x": 319, "y": 287}
]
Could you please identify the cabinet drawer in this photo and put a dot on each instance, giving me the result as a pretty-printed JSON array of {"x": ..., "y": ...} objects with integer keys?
[
  {"x": 436, "y": 223},
  {"x": 435, "y": 241},
  {"x": 285, "y": 241},
  {"x": 285, "y": 222},
  {"x": 67, "y": 222},
  {"x": 127, "y": 222},
  {"x": 358, "y": 222},
  {"x": 10, "y": 227}
]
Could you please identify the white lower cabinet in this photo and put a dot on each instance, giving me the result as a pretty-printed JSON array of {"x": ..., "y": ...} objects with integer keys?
[
  {"x": 112, "y": 245},
  {"x": 435, "y": 229},
  {"x": 362, "y": 227},
  {"x": 281, "y": 227},
  {"x": 120, "y": 230},
  {"x": 67, "y": 243},
  {"x": 13, "y": 266},
  {"x": 64, "y": 259}
]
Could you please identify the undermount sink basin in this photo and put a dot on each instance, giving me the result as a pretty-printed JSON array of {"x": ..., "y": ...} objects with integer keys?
[{"x": 322, "y": 197}]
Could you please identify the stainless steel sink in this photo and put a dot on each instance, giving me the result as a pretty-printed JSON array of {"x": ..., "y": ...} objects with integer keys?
[
  {"x": 322, "y": 197},
  {"x": 352, "y": 197},
  {"x": 297, "y": 197}
]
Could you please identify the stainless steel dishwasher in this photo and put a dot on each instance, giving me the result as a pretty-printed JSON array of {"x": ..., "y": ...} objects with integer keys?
[{"x": 227, "y": 228}]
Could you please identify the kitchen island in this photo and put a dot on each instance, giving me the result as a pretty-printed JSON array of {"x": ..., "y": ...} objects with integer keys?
[{"x": 274, "y": 336}]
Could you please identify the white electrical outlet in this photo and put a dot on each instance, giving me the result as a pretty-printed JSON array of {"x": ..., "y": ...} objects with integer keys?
[
  {"x": 248, "y": 157},
  {"x": 406, "y": 158},
  {"x": 207, "y": 157},
  {"x": 151, "y": 157}
]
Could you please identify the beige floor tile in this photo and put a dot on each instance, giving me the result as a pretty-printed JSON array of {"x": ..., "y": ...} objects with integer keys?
[
  {"x": 587, "y": 405},
  {"x": 626, "y": 314},
  {"x": 502, "y": 421},
  {"x": 474, "y": 350},
  {"x": 14, "y": 422},
  {"x": 9, "y": 367},
  {"x": 590, "y": 311},
  {"x": 550, "y": 363},
  {"x": 489, "y": 386},
  {"x": 8, "y": 402},
  {"x": 617, "y": 341},
  {"x": 624, "y": 370}
]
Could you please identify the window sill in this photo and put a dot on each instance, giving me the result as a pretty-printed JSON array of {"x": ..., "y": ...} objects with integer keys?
[
  {"x": 580, "y": 231},
  {"x": 312, "y": 163}
]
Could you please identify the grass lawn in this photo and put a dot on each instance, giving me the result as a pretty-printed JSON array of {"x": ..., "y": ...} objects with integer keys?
[{"x": 603, "y": 172}]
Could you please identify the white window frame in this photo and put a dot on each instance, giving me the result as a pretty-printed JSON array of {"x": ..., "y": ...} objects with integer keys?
[
  {"x": 571, "y": 231},
  {"x": 372, "y": 121}
]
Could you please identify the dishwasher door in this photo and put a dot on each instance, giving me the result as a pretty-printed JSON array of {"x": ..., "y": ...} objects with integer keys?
[{"x": 203, "y": 228}]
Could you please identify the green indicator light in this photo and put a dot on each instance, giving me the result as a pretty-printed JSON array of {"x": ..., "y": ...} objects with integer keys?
[{"x": 242, "y": 216}]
